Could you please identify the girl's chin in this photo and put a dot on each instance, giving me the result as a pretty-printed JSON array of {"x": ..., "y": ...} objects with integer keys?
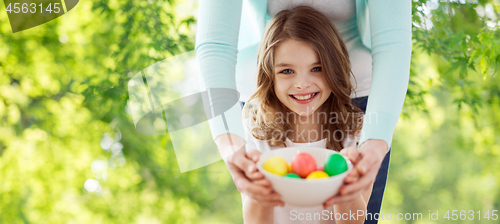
[{"x": 305, "y": 112}]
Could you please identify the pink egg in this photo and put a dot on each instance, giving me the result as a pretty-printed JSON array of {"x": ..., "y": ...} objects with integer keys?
[
  {"x": 303, "y": 164},
  {"x": 320, "y": 168}
]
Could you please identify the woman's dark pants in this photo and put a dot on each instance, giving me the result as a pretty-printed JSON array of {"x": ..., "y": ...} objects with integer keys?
[{"x": 375, "y": 201}]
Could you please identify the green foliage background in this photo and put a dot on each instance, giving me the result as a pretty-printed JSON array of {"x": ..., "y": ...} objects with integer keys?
[{"x": 62, "y": 103}]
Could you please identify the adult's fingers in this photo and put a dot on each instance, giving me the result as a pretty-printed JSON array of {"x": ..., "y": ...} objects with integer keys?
[
  {"x": 354, "y": 156},
  {"x": 240, "y": 160},
  {"x": 243, "y": 184},
  {"x": 253, "y": 155},
  {"x": 353, "y": 176},
  {"x": 263, "y": 182},
  {"x": 368, "y": 162},
  {"x": 352, "y": 153},
  {"x": 251, "y": 189},
  {"x": 256, "y": 175},
  {"x": 362, "y": 184},
  {"x": 372, "y": 152}
]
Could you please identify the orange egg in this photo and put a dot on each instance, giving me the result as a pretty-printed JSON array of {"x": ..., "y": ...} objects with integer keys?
[{"x": 303, "y": 164}]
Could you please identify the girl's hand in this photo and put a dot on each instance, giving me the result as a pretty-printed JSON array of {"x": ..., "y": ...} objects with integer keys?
[
  {"x": 367, "y": 162},
  {"x": 258, "y": 178},
  {"x": 245, "y": 175},
  {"x": 354, "y": 156}
]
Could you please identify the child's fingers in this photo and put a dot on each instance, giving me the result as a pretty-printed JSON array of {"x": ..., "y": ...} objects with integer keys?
[
  {"x": 328, "y": 203},
  {"x": 272, "y": 200},
  {"x": 252, "y": 189},
  {"x": 274, "y": 204},
  {"x": 340, "y": 199},
  {"x": 271, "y": 203}
]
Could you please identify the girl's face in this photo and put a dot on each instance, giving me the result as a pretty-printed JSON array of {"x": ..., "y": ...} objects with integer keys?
[{"x": 299, "y": 82}]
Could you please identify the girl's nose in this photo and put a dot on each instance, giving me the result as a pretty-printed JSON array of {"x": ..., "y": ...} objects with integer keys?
[{"x": 302, "y": 82}]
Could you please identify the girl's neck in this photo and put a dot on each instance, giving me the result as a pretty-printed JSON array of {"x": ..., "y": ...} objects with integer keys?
[{"x": 307, "y": 128}]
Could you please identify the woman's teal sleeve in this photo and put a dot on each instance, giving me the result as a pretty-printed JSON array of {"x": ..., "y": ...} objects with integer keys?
[
  {"x": 390, "y": 31},
  {"x": 216, "y": 50}
]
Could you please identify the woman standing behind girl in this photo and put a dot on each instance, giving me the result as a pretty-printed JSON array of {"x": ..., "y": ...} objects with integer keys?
[
  {"x": 378, "y": 39},
  {"x": 302, "y": 98}
]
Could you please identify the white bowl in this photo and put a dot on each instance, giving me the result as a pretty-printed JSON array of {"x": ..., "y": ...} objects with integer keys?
[{"x": 301, "y": 192}]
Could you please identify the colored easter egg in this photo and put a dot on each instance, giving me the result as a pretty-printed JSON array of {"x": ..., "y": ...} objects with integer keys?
[
  {"x": 292, "y": 175},
  {"x": 276, "y": 165},
  {"x": 303, "y": 164},
  {"x": 317, "y": 175},
  {"x": 335, "y": 164},
  {"x": 290, "y": 168},
  {"x": 320, "y": 168}
]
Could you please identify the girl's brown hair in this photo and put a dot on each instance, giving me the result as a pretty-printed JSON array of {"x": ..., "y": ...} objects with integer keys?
[{"x": 310, "y": 26}]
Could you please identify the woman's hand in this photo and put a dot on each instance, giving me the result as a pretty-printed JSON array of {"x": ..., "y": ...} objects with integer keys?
[
  {"x": 247, "y": 179},
  {"x": 367, "y": 162}
]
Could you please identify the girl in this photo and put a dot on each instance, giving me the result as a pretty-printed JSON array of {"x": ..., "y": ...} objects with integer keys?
[{"x": 302, "y": 98}]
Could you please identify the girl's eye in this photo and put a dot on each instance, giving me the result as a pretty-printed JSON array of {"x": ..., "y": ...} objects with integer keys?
[
  {"x": 317, "y": 69},
  {"x": 286, "y": 71}
]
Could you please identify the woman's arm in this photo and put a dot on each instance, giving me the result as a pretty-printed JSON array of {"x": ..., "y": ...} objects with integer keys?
[
  {"x": 216, "y": 50},
  {"x": 390, "y": 31}
]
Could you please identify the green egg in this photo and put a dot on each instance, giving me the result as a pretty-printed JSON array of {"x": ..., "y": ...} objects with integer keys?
[
  {"x": 335, "y": 164},
  {"x": 292, "y": 175}
]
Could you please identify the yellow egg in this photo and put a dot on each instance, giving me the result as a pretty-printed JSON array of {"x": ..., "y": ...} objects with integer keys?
[
  {"x": 290, "y": 168},
  {"x": 276, "y": 165},
  {"x": 317, "y": 175}
]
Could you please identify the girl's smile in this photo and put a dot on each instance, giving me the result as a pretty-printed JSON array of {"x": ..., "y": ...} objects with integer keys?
[
  {"x": 300, "y": 84},
  {"x": 304, "y": 98}
]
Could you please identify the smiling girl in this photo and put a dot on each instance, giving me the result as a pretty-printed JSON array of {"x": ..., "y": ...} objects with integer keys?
[{"x": 303, "y": 97}]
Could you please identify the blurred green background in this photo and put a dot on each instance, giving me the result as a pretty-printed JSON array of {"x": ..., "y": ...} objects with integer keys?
[{"x": 69, "y": 152}]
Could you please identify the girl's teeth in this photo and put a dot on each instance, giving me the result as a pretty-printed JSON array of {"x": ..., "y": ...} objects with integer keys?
[{"x": 304, "y": 97}]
